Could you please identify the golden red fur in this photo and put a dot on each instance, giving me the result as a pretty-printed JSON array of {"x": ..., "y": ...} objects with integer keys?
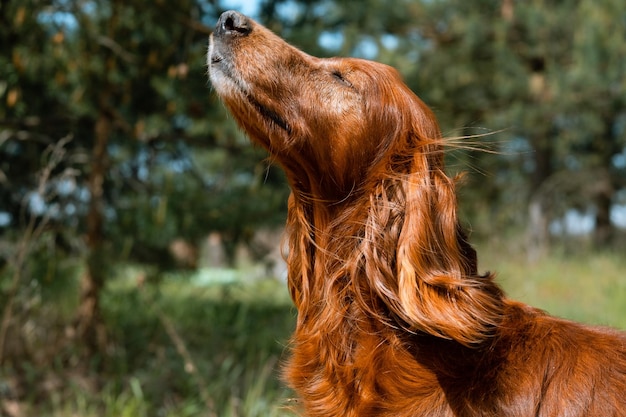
[{"x": 393, "y": 317}]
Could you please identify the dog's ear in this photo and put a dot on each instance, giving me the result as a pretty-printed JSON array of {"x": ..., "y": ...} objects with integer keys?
[
  {"x": 439, "y": 291},
  {"x": 415, "y": 255},
  {"x": 416, "y": 258}
]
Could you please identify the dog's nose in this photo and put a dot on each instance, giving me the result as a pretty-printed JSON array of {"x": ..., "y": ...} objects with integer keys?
[{"x": 232, "y": 23}]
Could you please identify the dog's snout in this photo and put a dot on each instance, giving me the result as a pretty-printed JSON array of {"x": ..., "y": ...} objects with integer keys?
[{"x": 232, "y": 23}]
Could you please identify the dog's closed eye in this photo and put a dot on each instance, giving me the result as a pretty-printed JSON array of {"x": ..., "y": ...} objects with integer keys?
[{"x": 339, "y": 76}]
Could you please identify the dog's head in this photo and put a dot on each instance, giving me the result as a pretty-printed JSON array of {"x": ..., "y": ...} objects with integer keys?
[
  {"x": 327, "y": 121},
  {"x": 372, "y": 207}
]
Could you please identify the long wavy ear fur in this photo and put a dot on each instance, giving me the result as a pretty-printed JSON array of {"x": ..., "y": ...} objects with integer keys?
[
  {"x": 415, "y": 255},
  {"x": 439, "y": 291}
]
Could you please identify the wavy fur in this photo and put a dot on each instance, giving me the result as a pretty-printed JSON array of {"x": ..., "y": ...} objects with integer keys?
[{"x": 393, "y": 317}]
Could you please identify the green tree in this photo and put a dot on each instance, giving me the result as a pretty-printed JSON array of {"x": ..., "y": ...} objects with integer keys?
[
  {"x": 548, "y": 74},
  {"x": 594, "y": 91},
  {"x": 152, "y": 155}
]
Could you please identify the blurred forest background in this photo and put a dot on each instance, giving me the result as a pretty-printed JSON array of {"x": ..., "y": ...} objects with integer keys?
[{"x": 139, "y": 230}]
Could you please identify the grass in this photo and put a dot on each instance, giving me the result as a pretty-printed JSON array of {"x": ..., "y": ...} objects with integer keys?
[
  {"x": 188, "y": 347},
  {"x": 585, "y": 287},
  {"x": 222, "y": 348},
  {"x": 176, "y": 349}
]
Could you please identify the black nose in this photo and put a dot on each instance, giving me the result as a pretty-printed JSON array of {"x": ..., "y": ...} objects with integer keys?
[{"x": 232, "y": 23}]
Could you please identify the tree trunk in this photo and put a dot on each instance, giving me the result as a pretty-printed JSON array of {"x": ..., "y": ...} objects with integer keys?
[
  {"x": 538, "y": 232},
  {"x": 90, "y": 329},
  {"x": 603, "y": 232},
  {"x": 606, "y": 146},
  {"x": 538, "y": 220}
]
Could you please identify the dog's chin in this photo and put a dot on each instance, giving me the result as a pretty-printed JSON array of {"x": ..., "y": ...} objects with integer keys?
[
  {"x": 221, "y": 79},
  {"x": 222, "y": 72},
  {"x": 232, "y": 89}
]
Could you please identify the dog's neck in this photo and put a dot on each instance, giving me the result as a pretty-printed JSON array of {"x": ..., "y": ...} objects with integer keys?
[{"x": 345, "y": 258}]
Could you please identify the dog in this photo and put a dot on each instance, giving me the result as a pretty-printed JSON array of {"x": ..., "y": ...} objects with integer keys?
[{"x": 393, "y": 317}]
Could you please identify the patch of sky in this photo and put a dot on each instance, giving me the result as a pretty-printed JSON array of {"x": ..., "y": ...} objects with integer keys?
[
  {"x": 61, "y": 15},
  {"x": 330, "y": 40},
  {"x": 290, "y": 11},
  {"x": 36, "y": 204},
  {"x": 55, "y": 18},
  {"x": 5, "y": 219},
  {"x": 247, "y": 7},
  {"x": 515, "y": 146},
  {"x": 367, "y": 48},
  {"x": 390, "y": 42},
  {"x": 574, "y": 223},
  {"x": 66, "y": 186},
  {"x": 618, "y": 215},
  {"x": 581, "y": 223},
  {"x": 619, "y": 160}
]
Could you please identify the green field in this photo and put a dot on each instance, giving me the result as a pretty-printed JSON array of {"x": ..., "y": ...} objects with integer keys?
[
  {"x": 213, "y": 347},
  {"x": 589, "y": 288}
]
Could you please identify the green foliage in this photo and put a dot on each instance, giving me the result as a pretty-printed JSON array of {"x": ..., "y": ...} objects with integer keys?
[
  {"x": 517, "y": 70},
  {"x": 176, "y": 166}
]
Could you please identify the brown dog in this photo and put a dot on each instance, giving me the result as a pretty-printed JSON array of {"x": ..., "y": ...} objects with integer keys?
[{"x": 393, "y": 318}]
